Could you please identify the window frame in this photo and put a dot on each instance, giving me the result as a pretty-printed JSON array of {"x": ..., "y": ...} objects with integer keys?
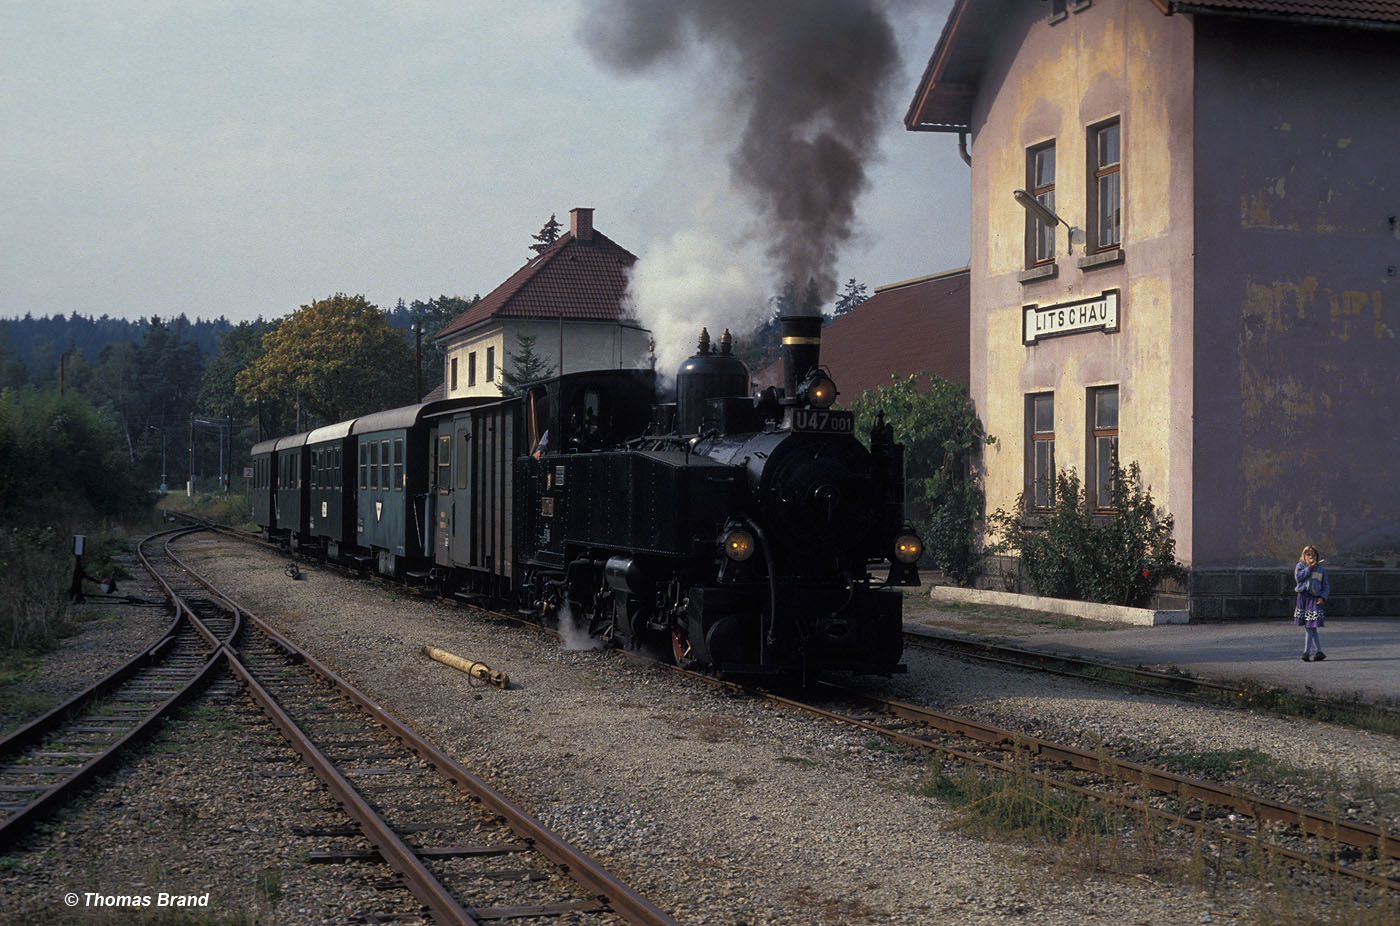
[
  {"x": 471, "y": 369},
  {"x": 1100, "y": 172},
  {"x": 1040, "y": 238},
  {"x": 1102, "y": 437},
  {"x": 1040, "y": 446},
  {"x": 490, "y": 364}
]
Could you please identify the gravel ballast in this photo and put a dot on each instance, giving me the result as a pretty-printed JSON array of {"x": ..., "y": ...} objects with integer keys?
[{"x": 723, "y": 810}]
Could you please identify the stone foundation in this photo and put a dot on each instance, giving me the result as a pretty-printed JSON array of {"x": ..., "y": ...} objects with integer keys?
[{"x": 1243, "y": 593}]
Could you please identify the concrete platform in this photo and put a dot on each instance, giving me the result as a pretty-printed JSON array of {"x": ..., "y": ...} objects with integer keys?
[{"x": 1363, "y": 653}]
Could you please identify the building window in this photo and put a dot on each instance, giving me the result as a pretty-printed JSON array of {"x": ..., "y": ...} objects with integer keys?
[
  {"x": 471, "y": 369},
  {"x": 1103, "y": 452},
  {"x": 1105, "y": 187},
  {"x": 453, "y": 376},
  {"x": 490, "y": 364},
  {"x": 1040, "y": 238},
  {"x": 1040, "y": 468}
]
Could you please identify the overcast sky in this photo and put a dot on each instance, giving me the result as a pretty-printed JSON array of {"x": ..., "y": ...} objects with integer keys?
[{"x": 243, "y": 158}]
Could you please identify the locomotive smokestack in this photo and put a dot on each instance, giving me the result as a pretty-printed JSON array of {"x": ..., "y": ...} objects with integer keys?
[{"x": 802, "y": 348}]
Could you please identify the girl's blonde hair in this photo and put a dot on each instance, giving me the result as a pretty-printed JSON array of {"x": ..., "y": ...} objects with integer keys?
[{"x": 1310, "y": 549}]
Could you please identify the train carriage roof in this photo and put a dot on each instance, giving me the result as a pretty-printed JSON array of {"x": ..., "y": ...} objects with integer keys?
[
  {"x": 409, "y": 416},
  {"x": 338, "y": 431},
  {"x": 266, "y": 446},
  {"x": 292, "y": 440}
]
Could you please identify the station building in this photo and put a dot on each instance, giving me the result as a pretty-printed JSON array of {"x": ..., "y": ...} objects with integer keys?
[
  {"x": 1185, "y": 252},
  {"x": 569, "y": 298}
]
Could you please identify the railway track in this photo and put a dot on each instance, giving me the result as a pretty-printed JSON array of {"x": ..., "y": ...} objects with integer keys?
[
  {"x": 1200, "y": 810},
  {"x": 1209, "y": 812},
  {"x": 465, "y": 852},
  {"x": 45, "y": 761}
]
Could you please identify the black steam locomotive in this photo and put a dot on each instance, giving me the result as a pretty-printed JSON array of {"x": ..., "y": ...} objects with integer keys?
[{"x": 735, "y": 532}]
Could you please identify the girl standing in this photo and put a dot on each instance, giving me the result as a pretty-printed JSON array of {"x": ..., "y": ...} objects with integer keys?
[{"x": 1310, "y": 582}]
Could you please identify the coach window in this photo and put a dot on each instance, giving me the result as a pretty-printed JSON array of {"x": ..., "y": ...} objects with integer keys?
[
  {"x": 364, "y": 465},
  {"x": 444, "y": 464},
  {"x": 398, "y": 464},
  {"x": 1105, "y": 210},
  {"x": 1040, "y": 175},
  {"x": 374, "y": 464},
  {"x": 1040, "y": 468},
  {"x": 1103, "y": 450},
  {"x": 384, "y": 483},
  {"x": 464, "y": 446}
]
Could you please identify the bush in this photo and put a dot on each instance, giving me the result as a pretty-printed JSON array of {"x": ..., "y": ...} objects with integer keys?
[
  {"x": 941, "y": 434},
  {"x": 1073, "y": 551}
]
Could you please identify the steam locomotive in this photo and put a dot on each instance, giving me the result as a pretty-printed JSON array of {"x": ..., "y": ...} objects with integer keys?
[{"x": 734, "y": 532}]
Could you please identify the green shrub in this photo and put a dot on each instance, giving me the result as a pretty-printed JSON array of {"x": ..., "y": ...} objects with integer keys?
[
  {"x": 1116, "y": 556},
  {"x": 941, "y": 434}
]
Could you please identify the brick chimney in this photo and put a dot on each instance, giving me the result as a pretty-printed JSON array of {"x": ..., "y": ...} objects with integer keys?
[{"x": 581, "y": 224}]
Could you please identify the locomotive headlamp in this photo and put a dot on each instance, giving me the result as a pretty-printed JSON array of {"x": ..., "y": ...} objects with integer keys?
[
  {"x": 821, "y": 391},
  {"x": 908, "y": 548},
  {"x": 738, "y": 544}
]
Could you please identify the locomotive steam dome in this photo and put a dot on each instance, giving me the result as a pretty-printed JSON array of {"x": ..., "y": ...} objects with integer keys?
[{"x": 707, "y": 375}]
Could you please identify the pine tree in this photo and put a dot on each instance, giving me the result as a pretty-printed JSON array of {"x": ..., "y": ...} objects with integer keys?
[
  {"x": 549, "y": 234},
  {"x": 523, "y": 367},
  {"x": 854, "y": 295}
]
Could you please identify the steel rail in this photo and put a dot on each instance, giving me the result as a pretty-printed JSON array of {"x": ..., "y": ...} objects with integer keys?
[
  {"x": 393, "y": 850},
  {"x": 1200, "y": 826},
  {"x": 614, "y": 893},
  {"x": 1261, "y": 809}
]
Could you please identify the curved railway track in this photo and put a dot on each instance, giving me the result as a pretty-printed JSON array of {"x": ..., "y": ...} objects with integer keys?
[
  {"x": 464, "y": 851},
  {"x": 45, "y": 761}
]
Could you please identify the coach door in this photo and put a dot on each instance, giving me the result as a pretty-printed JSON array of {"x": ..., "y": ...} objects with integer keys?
[
  {"x": 460, "y": 455},
  {"x": 441, "y": 489}
]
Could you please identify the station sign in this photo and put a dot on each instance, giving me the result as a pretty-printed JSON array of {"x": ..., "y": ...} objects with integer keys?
[{"x": 1098, "y": 313}]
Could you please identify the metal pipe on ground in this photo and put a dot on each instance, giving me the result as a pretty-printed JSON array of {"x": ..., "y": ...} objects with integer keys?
[{"x": 476, "y": 670}]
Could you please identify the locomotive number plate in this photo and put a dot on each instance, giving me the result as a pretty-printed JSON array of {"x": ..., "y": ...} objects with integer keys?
[{"x": 826, "y": 421}]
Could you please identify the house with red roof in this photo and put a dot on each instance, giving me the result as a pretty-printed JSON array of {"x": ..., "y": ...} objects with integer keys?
[
  {"x": 1185, "y": 253},
  {"x": 570, "y": 298}
]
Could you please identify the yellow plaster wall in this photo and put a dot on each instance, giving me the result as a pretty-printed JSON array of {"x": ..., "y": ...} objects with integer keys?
[{"x": 1108, "y": 61}]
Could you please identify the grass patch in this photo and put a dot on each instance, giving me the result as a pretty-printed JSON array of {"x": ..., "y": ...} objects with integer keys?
[
  {"x": 801, "y": 760},
  {"x": 1014, "y": 805},
  {"x": 1351, "y": 712}
]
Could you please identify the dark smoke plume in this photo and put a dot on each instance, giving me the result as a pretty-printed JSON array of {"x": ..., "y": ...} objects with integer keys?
[{"x": 804, "y": 83}]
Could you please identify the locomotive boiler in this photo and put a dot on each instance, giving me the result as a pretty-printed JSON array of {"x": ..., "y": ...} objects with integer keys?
[{"x": 735, "y": 532}]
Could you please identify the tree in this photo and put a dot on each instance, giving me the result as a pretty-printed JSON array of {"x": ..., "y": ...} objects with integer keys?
[
  {"x": 523, "y": 367},
  {"x": 942, "y": 435},
  {"x": 549, "y": 234},
  {"x": 335, "y": 358},
  {"x": 853, "y": 295}
]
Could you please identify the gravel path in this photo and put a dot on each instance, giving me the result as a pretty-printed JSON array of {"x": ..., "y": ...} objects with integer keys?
[{"x": 722, "y": 810}]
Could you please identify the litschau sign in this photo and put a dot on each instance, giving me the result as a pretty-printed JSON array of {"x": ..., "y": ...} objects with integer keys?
[{"x": 1099, "y": 313}]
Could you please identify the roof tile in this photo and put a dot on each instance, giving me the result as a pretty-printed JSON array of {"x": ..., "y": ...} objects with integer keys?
[{"x": 570, "y": 279}]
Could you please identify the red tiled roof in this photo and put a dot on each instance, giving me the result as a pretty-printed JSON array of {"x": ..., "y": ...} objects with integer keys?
[
  {"x": 904, "y": 328},
  {"x": 1353, "y": 11},
  {"x": 943, "y": 98},
  {"x": 570, "y": 279}
]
